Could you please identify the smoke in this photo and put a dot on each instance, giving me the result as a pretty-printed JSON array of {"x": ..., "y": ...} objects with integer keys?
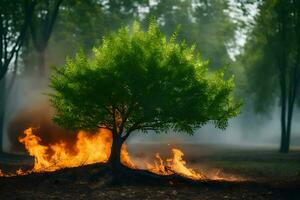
[
  {"x": 37, "y": 116},
  {"x": 28, "y": 106},
  {"x": 248, "y": 130}
]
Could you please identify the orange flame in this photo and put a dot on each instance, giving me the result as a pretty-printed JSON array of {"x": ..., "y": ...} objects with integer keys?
[
  {"x": 95, "y": 148},
  {"x": 173, "y": 165},
  {"x": 89, "y": 149}
]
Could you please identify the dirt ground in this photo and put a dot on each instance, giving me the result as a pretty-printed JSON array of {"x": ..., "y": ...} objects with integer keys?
[
  {"x": 258, "y": 168},
  {"x": 80, "y": 183}
]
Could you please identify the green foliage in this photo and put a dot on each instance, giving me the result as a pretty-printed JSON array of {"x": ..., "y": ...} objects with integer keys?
[
  {"x": 140, "y": 80},
  {"x": 259, "y": 62},
  {"x": 262, "y": 56},
  {"x": 203, "y": 22},
  {"x": 206, "y": 23}
]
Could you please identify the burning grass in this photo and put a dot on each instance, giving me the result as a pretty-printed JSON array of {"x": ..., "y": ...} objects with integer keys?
[
  {"x": 89, "y": 149},
  {"x": 95, "y": 148}
]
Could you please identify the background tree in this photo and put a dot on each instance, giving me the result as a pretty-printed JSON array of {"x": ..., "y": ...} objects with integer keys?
[
  {"x": 205, "y": 23},
  {"x": 272, "y": 60},
  {"x": 15, "y": 17},
  {"x": 45, "y": 15},
  {"x": 140, "y": 81}
]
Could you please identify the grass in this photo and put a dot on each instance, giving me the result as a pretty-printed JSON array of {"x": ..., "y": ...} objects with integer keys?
[
  {"x": 255, "y": 163},
  {"x": 259, "y": 169}
]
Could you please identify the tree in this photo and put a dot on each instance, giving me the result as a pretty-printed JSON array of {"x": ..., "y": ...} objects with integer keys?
[
  {"x": 45, "y": 15},
  {"x": 206, "y": 23},
  {"x": 15, "y": 17},
  {"x": 203, "y": 22},
  {"x": 140, "y": 81},
  {"x": 14, "y": 21},
  {"x": 80, "y": 25},
  {"x": 272, "y": 57}
]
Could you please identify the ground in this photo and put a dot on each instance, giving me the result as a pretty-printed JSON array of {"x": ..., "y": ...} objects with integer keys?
[{"x": 265, "y": 174}]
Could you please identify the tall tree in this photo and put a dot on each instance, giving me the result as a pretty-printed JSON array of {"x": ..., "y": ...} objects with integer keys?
[
  {"x": 140, "y": 81},
  {"x": 272, "y": 60},
  {"x": 45, "y": 15},
  {"x": 15, "y": 17}
]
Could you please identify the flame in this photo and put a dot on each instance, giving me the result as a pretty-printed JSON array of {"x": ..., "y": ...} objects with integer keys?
[
  {"x": 95, "y": 148},
  {"x": 88, "y": 149},
  {"x": 173, "y": 165}
]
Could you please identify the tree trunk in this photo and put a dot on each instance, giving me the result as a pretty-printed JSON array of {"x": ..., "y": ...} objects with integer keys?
[
  {"x": 283, "y": 127},
  {"x": 288, "y": 131},
  {"x": 41, "y": 63},
  {"x": 115, "y": 157},
  {"x": 2, "y": 111},
  {"x": 283, "y": 107},
  {"x": 282, "y": 64},
  {"x": 291, "y": 103}
]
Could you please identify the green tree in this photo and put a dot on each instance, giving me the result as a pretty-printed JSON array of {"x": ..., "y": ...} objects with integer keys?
[
  {"x": 140, "y": 81},
  {"x": 272, "y": 59}
]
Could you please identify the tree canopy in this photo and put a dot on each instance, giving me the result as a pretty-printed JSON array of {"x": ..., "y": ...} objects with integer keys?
[{"x": 139, "y": 80}]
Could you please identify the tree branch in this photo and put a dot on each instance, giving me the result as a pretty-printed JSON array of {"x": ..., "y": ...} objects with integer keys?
[
  {"x": 14, "y": 75},
  {"x": 16, "y": 47},
  {"x": 53, "y": 18},
  {"x": 104, "y": 127},
  {"x": 5, "y": 40},
  {"x": 109, "y": 111},
  {"x": 1, "y": 41},
  {"x": 114, "y": 119},
  {"x": 125, "y": 136},
  {"x": 125, "y": 115}
]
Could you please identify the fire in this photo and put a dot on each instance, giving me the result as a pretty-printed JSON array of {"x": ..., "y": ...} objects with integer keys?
[
  {"x": 173, "y": 165},
  {"x": 95, "y": 148},
  {"x": 88, "y": 149}
]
